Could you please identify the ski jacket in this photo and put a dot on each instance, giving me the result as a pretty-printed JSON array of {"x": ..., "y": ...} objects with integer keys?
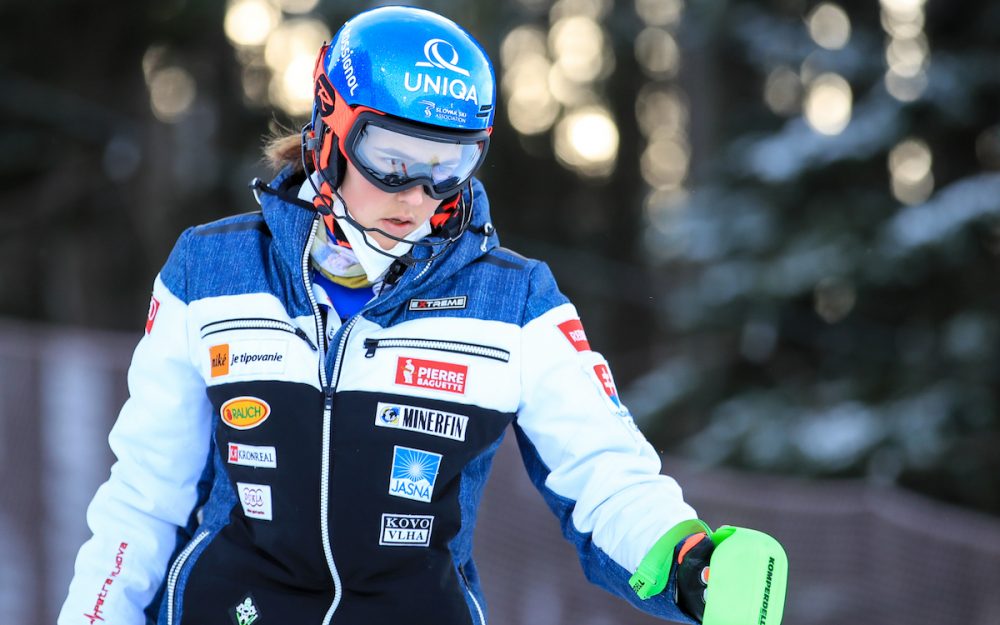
[{"x": 269, "y": 471}]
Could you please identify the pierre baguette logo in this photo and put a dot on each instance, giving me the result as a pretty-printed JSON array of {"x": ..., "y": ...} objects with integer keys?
[
  {"x": 431, "y": 374},
  {"x": 244, "y": 413}
]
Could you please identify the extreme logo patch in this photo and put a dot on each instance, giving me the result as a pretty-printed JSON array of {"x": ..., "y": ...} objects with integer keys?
[
  {"x": 431, "y": 374},
  {"x": 423, "y": 420},
  {"x": 406, "y": 530},
  {"x": 244, "y": 413},
  {"x": 414, "y": 472},
  {"x": 440, "y": 303}
]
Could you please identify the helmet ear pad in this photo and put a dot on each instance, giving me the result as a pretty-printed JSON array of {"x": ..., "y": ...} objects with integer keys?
[{"x": 329, "y": 111}]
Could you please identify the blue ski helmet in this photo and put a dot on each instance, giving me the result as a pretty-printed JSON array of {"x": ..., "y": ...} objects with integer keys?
[{"x": 406, "y": 70}]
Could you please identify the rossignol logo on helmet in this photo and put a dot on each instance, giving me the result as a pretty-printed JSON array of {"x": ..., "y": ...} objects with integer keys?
[
  {"x": 346, "y": 63},
  {"x": 436, "y": 51}
]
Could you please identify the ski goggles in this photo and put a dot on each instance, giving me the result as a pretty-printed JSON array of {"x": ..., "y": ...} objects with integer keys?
[{"x": 395, "y": 155}]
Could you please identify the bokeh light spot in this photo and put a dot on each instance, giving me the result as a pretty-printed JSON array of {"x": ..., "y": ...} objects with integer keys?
[
  {"x": 657, "y": 53},
  {"x": 249, "y": 22},
  {"x": 829, "y": 26},
  {"x": 586, "y": 140},
  {"x": 828, "y": 104},
  {"x": 172, "y": 91}
]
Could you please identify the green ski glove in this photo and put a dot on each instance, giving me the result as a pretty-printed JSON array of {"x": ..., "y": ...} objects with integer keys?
[{"x": 748, "y": 570}]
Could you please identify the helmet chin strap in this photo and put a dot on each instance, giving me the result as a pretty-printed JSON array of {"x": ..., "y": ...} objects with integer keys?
[{"x": 329, "y": 188}]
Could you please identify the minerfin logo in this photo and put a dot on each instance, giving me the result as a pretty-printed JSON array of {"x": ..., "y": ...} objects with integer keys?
[
  {"x": 245, "y": 612},
  {"x": 406, "y": 530},
  {"x": 423, "y": 420},
  {"x": 414, "y": 472}
]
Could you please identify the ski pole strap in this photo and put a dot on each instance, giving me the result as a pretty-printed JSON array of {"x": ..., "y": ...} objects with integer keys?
[{"x": 651, "y": 577}]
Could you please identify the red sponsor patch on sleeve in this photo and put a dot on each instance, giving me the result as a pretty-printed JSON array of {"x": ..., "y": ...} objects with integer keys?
[
  {"x": 154, "y": 307},
  {"x": 573, "y": 331}
]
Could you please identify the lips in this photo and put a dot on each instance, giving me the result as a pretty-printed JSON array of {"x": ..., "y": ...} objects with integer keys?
[{"x": 394, "y": 225}]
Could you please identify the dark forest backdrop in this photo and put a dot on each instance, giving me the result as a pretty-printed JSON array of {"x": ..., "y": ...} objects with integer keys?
[{"x": 780, "y": 219}]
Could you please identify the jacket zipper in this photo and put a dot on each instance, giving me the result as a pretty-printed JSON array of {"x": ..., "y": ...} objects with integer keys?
[
  {"x": 324, "y": 478},
  {"x": 475, "y": 602},
  {"x": 175, "y": 572},
  {"x": 456, "y": 347},
  {"x": 256, "y": 324}
]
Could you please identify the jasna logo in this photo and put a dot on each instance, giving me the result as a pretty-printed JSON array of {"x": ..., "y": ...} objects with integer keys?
[{"x": 414, "y": 472}]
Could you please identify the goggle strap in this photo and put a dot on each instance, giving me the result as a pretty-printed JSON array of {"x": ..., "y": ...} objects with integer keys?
[{"x": 444, "y": 212}]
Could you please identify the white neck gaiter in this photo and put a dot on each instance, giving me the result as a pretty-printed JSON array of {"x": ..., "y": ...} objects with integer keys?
[{"x": 373, "y": 263}]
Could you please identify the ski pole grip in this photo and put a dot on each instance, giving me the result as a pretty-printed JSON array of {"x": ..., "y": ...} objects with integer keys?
[
  {"x": 651, "y": 577},
  {"x": 748, "y": 578}
]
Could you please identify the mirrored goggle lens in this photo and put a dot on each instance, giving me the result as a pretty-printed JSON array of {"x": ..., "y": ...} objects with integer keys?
[{"x": 398, "y": 160}]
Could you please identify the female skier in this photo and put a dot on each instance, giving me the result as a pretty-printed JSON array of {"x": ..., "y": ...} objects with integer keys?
[{"x": 323, "y": 384}]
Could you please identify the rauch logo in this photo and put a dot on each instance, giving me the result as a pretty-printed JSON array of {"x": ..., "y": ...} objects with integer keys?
[{"x": 244, "y": 413}]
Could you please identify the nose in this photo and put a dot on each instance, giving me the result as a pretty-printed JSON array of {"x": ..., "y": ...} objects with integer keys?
[{"x": 414, "y": 196}]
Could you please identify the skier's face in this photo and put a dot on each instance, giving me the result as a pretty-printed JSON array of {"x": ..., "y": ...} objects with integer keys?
[{"x": 398, "y": 214}]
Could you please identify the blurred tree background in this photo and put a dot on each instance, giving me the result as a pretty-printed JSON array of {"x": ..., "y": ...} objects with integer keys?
[{"x": 778, "y": 218}]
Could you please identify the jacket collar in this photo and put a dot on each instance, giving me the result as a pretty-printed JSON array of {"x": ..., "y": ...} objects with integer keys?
[{"x": 291, "y": 221}]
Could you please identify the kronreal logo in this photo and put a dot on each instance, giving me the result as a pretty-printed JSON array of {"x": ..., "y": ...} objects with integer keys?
[
  {"x": 244, "y": 413},
  {"x": 406, "y": 530},
  {"x": 255, "y": 499},
  {"x": 251, "y": 456},
  {"x": 414, "y": 419},
  {"x": 441, "y": 55},
  {"x": 414, "y": 472},
  {"x": 430, "y": 374},
  {"x": 441, "y": 303},
  {"x": 573, "y": 331}
]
